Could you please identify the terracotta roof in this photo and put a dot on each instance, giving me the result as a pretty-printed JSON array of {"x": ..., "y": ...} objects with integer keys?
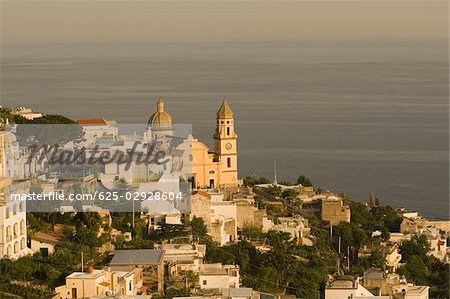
[
  {"x": 202, "y": 193},
  {"x": 92, "y": 121},
  {"x": 49, "y": 237}
]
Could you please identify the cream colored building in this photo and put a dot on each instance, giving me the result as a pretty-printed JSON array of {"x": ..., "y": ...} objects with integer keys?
[
  {"x": 220, "y": 167},
  {"x": 13, "y": 231},
  {"x": 100, "y": 282},
  {"x": 223, "y": 218},
  {"x": 297, "y": 227},
  {"x": 25, "y": 112},
  {"x": 45, "y": 242},
  {"x": 183, "y": 257}
]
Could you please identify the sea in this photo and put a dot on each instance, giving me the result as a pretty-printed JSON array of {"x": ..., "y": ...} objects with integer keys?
[{"x": 355, "y": 116}]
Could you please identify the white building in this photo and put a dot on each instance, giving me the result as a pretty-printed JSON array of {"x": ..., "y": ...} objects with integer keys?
[
  {"x": 158, "y": 212},
  {"x": 98, "y": 130},
  {"x": 346, "y": 287},
  {"x": 409, "y": 291},
  {"x": 218, "y": 276}
]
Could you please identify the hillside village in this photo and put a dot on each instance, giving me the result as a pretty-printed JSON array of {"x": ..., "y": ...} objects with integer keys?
[{"x": 230, "y": 238}]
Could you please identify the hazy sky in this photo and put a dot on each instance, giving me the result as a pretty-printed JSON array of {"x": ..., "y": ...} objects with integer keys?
[{"x": 144, "y": 21}]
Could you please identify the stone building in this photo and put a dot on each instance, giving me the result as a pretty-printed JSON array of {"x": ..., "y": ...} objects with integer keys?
[{"x": 334, "y": 211}]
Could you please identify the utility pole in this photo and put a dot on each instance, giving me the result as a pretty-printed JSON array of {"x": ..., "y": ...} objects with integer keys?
[
  {"x": 82, "y": 261},
  {"x": 348, "y": 257},
  {"x": 339, "y": 248},
  {"x": 133, "y": 217}
]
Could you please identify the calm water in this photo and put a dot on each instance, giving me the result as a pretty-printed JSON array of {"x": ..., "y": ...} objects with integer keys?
[{"x": 354, "y": 117}]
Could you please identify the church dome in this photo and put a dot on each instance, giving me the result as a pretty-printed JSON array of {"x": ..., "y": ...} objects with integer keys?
[{"x": 160, "y": 119}]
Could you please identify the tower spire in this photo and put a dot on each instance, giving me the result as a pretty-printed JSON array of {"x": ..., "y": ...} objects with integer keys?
[{"x": 224, "y": 110}]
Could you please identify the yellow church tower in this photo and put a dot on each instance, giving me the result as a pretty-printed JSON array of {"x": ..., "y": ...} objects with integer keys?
[{"x": 225, "y": 146}]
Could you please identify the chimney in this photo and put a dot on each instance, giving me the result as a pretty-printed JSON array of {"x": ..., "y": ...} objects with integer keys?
[{"x": 90, "y": 269}]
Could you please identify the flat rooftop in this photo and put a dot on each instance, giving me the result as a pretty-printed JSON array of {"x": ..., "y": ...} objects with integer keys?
[{"x": 137, "y": 257}]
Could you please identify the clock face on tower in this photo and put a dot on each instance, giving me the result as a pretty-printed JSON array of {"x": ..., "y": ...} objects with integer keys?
[{"x": 228, "y": 146}]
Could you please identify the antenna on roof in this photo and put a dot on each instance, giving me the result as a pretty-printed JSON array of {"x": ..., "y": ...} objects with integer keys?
[{"x": 275, "y": 173}]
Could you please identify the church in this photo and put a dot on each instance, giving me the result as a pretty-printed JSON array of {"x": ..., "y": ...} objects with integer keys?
[{"x": 210, "y": 169}]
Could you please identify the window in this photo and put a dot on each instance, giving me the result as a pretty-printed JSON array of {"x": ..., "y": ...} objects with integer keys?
[
  {"x": 204, "y": 282},
  {"x": 8, "y": 233},
  {"x": 22, "y": 227},
  {"x": 228, "y": 131},
  {"x": 15, "y": 210},
  {"x": 228, "y": 162},
  {"x": 16, "y": 230},
  {"x": 8, "y": 212},
  {"x": 130, "y": 286},
  {"x": 44, "y": 251}
]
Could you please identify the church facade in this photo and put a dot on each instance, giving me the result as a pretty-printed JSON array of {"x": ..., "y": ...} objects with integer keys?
[{"x": 210, "y": 169}]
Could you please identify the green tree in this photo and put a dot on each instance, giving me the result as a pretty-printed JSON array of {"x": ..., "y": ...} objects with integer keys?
[
  {"x": 304, "y": 181},
  {"x": 253, "y": 232},
  {"x": 415, "y": 270},
  {"x": 198, "y": 227},
  {"x": 417, "y": 246}
]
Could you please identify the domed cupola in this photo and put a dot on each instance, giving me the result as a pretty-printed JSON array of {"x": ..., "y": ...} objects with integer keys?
[{"x": 160, "y": 119}]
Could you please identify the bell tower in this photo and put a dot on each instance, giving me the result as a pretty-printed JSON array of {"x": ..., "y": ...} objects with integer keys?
[{"x": 225, "y": 146}]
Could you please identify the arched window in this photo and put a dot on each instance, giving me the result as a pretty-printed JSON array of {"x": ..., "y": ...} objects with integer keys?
[
  {"x": 14, "y": 209},
  {"x": 22, "y": 207},
  {"x": 16, "y": 230},
  {"x": 16, "y": 247},
  {"x": 22, "y": 227},
  {"x": 8, "y": 212},
  {"x": 22, "y": 243},
  {"x": 228, "y": 162},
  {"x": 8, "y": 233},
  {"x": 8, "y": 251}
]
